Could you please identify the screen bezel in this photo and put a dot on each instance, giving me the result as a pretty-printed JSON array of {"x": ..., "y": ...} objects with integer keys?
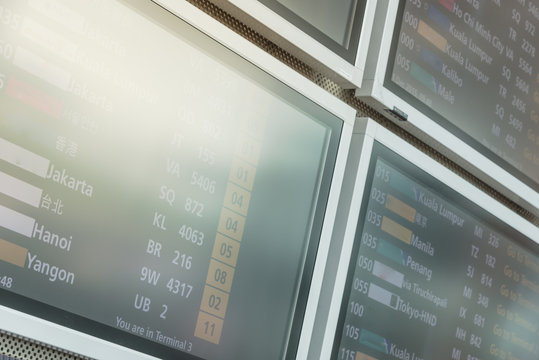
[
  {"x": 450, "y": 141},
  {"x": 293, "y": 34},
  {"x": 49, "y": 325},
  {"x": 349, "y": 53},
  {"x": 373, "y": 136}
]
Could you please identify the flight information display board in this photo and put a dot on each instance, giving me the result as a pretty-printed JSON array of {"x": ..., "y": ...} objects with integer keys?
[
  {"x": 472, "y": 67},
  {"x": 434, "y": 276},
  {"x": 337, "y": 25},
  {"x": 156, "y": 190}
]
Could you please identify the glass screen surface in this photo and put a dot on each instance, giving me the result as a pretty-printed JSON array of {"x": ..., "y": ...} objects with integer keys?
[
  {"x": 471, "y": 66},
  {"x": 333, "y": 18},
  {"x": 336, "y": 24},
  {"x": 433, "y": 276},
  {"x": 156, "y": 189}
]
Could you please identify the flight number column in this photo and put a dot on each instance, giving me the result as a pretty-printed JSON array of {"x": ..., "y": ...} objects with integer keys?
[
  {"x": 473, "y": 311},
  {"x": 166, "y": 257}
]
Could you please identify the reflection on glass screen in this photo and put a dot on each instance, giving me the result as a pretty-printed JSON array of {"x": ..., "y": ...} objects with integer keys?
[
  {"x": 152, "y": 181},
  {"x": 333, "y": 18}
]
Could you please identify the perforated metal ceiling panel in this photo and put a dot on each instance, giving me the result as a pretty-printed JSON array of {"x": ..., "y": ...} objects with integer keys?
[{"x": 14, "y": 347}]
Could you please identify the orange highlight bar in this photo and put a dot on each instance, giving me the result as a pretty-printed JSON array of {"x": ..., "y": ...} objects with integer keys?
[
  {"x": 400, "y": 208},
  {"x": 209, "y": 327},
  {"x": 220, "y": 275},
  {"x": 226, "y": 250},
  {"x": 12, "y": 253},
  {"x": 237, "y": 199},
  {"x": 432, "y": 36},
  {"x": 231, "y": 224},
  {"x": 249, "y": 149},
  {"x": 396, "y": 230},
  {"x": 214, "y": 302},
  {"x": 242, "y": 174},
  {"x": 361, "y": 356}
]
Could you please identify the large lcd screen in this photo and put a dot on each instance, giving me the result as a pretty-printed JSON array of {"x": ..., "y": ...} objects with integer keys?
[
  {"x": 156, "y": 190},
  {"x": 472, "y": 67},
  {"x": 434, "y": 276},
  {"x": 336, "y": 24}
]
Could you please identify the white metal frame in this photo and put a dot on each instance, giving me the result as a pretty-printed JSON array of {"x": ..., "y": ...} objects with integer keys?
[
  {"x": 375, "y": 94},
  {"x": 61, "y": 337},
  {"x": 366, "y": 133},
  {"x": 289, "y": 37}
]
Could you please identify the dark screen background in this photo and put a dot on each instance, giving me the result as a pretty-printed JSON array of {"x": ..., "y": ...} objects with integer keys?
[
  {"x": 433, "y": 276},
  {"x": 472, "y": 67}
]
